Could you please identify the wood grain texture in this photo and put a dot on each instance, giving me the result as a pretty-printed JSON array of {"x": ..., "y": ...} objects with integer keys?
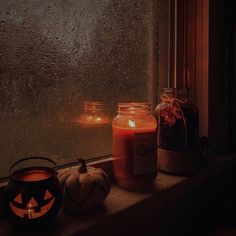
[
  {"x": 201, "y": 52},
  {"x": 192, "y": 54}
]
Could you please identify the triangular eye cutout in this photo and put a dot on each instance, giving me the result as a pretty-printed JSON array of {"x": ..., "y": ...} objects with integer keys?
[
  {"x": 32, "y": 203},
  {"x": 47, "y": 195},
  {"x": 18, "y": 198}
]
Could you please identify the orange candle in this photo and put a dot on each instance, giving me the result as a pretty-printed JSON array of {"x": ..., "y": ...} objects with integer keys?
[
  {"x": 33, "y": 174},
  {"x": 134, "y": 146}
]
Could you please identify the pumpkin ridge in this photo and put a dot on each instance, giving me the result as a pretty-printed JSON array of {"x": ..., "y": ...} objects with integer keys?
[
  {"x": 105, "y": 177},
  {"x": 84, "y": 200},
  {"x": 88, "y": 195},
  {"x": 67, "y": 192},
  {"x": 78, "y": 182},
  {"x": 103, "y": 189}
]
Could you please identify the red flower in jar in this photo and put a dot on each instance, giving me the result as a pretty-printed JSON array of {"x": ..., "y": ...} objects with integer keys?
[{"x": 170, "y": 114}]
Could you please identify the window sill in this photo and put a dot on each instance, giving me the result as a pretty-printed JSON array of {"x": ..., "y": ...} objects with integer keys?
[{"x": 169, "y": 203}]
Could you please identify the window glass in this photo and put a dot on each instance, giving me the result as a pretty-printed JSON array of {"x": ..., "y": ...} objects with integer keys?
[{"x": 64, "y": 66}]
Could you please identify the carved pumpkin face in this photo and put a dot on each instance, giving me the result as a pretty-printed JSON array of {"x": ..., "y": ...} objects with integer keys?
[
  {"x": 30, "y": 207},
  {"x": 33, "y": 194}
]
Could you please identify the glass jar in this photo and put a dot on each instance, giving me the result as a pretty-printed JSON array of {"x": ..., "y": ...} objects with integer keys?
[
  {"x": 134, "y": 146},
  {"x": 93, "y": 114},
  {"x": 178, "y": 120},
  {"x": 95, "y": 125}
]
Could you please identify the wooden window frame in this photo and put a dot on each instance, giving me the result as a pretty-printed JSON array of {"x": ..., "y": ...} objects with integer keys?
[
  {"x": 200, "y": 64},
  {"x": 192, "y": 54}
]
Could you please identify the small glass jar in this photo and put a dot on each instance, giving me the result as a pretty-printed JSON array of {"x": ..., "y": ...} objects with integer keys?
[
  {"x": 178, "y": 120},
  {"x": 93, "y": 114},
  {"x": 134, "y": 146}
]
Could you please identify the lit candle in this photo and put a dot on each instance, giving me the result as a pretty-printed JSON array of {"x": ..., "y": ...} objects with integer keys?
[
  {"x": 33, "y": 174},
  {"x": 93, "y": 115},
  {"x": 33, "y": 192},
  {"x": 134, "y": 146}
]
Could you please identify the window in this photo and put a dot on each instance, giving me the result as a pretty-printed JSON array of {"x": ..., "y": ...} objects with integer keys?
[
  {"x": 62, "y": 61},
  {"x": 201, "y": 63}
]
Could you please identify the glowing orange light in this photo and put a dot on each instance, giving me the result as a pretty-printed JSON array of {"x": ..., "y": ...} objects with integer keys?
[
  {"x": 132, "y": 124},
  {"x": 93, "y": 114}
]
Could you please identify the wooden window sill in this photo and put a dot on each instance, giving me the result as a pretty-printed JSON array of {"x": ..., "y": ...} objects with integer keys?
[{"x": 141, "y": 213}]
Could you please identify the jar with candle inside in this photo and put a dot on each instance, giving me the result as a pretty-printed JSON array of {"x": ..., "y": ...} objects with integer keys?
[
  {"x": 134, "y": 146},
  {"x": 94, "y": 123},
  {"x": 33, "y": 193},
  {"x": 94, "y": 114}
]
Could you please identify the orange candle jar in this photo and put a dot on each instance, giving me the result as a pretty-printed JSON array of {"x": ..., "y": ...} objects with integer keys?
[{"x": 134, "y": 146}]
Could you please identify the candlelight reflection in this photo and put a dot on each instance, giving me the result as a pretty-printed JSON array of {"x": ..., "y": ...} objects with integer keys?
[
  {"x": 132, "y": 124},
  {"x": 93, "y": 114}
]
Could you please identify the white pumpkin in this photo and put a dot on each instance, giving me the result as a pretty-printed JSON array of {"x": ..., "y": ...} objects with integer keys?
[{"x": 84, "y": 188}]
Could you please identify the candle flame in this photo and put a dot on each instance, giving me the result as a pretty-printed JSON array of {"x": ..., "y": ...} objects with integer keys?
[{"x": 132, "y": 124}]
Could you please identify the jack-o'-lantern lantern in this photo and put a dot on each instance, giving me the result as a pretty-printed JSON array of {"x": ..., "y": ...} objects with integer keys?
[{"x": 33, "y": 193}]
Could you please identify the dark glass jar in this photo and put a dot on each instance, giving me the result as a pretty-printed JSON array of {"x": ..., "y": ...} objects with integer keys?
[
  {"x": 134, "y": 146},
  {"x": 178, "y": 121},
  {"x": 33, "y": 193}
]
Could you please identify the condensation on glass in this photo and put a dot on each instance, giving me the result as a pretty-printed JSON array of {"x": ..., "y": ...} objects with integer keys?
[{"x": 56, "y": 55}]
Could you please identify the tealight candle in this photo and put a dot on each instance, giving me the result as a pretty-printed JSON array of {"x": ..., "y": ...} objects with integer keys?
[
  {"x": 94, "y": 115},
  {"x": 33, "y": 174}
]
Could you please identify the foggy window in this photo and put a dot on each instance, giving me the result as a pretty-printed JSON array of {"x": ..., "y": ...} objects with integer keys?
[{"x": 64, "y": 66}]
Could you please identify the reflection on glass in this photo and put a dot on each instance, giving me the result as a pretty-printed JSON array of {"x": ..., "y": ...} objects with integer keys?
[{"x": 93, "y": 114}]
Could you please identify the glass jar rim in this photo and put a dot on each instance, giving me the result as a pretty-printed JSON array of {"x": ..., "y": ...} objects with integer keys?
[
  {"x": 176, "y": 89},
  {"x": 134, "y": 104},
  {"x": 171, "y": 89},
  {"x": 134, "y": 108},
  {"x": 93, "y": 105}
]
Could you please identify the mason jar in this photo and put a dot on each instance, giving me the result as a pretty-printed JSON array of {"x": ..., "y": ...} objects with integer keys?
[
  {"x": 178, "y": 121},
  {"x": 94, "y": 114},
  {"x": 134, "y": 146}
]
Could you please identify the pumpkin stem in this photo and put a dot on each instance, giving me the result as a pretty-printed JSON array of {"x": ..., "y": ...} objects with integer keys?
[{"x": 83, "y": 167}]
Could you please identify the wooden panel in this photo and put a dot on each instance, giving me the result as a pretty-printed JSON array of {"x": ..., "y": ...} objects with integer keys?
[
  {"x": 201, "y": 64},
  {"x": 192, "y": 54},
  {"x": 202, "y": 57}
]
